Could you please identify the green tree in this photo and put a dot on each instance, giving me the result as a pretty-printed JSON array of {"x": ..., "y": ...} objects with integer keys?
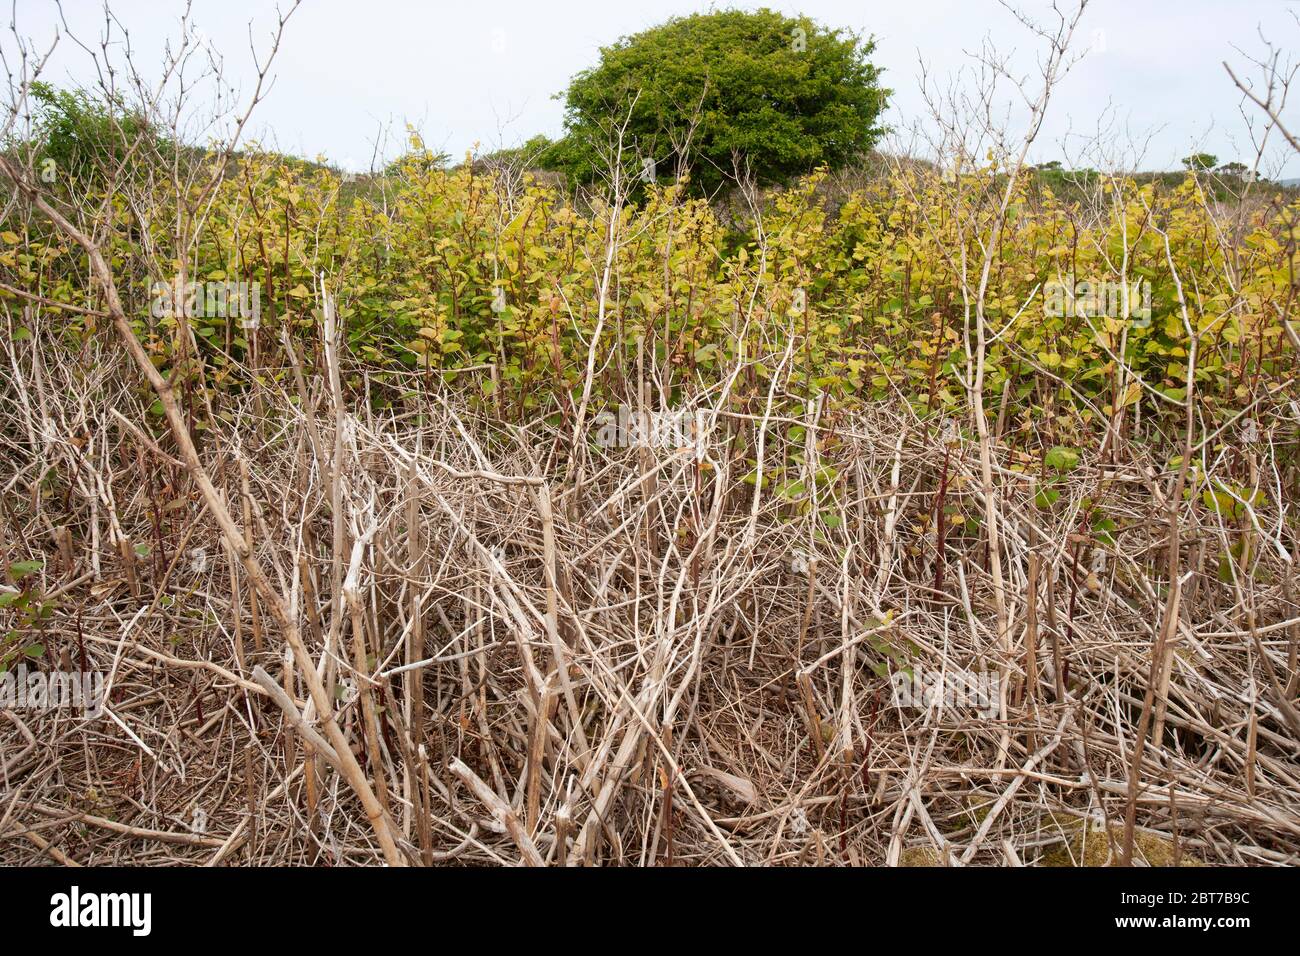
[
  {"x": 85, "y": 136},
  {"x": 782, "y": 94},
  {"x": 1200, "y": 161},
  {"x": 534, "y": 152}
]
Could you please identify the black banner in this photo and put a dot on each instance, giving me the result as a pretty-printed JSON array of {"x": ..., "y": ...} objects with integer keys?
[{"x": 138, "y": 906}]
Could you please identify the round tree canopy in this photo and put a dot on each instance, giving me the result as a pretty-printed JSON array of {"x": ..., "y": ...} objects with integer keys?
[{"x": 780, "y": 94}]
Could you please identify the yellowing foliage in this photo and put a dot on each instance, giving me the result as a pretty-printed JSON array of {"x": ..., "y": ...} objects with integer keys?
[{"x": 438, "y": 269}]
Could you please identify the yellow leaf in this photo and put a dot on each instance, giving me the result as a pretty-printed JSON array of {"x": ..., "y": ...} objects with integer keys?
[{"x": 9, "y": 237}]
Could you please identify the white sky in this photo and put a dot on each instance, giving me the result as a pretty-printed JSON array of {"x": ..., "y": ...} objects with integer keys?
[{"x": 486, "y": 71}]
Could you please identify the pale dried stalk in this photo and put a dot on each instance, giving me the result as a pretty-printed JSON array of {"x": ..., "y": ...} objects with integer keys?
[{"x": 216, "y": 506}]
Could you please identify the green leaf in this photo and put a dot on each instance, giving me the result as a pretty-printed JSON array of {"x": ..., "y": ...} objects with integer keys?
[
  {"x": 1062, "y": 459},
  {"x": 1046, "y": 497},
  {"x": 791, "y": 489}
]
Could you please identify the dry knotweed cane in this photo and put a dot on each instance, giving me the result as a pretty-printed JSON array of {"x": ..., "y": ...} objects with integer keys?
[
  {"x": 216, "y": 506},
  {"x": 500, "y": 810},
  {"x": 362, "y": 669}
]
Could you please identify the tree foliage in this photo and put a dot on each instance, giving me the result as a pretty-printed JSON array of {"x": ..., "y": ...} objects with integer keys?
[
  {"x": 782, "y": 93},
  {"x": 85, "y": 136},
  {"x": 1200, "y": 161}
]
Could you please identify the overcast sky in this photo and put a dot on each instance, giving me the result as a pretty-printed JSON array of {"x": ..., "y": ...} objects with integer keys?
[{"x": 486, "y": 71}]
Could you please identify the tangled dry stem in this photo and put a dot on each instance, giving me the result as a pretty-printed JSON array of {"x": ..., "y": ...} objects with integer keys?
[{"x": 660, "y": 663}]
